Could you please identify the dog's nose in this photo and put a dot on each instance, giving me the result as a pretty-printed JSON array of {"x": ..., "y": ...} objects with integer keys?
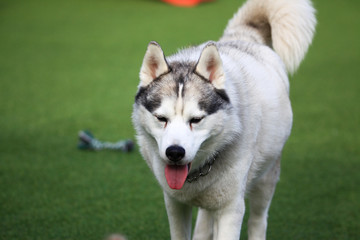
[{"x": 175, "y": 153}]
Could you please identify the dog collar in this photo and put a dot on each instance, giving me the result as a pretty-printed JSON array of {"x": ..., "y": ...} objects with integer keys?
[{"x": 202, "y": 171}]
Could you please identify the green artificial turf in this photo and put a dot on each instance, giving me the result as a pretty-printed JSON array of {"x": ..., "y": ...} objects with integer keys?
[{"x": 72, "y": 65}]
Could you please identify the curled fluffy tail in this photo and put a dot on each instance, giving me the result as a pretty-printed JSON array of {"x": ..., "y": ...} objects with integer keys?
[{"x": 285, "y": 25}]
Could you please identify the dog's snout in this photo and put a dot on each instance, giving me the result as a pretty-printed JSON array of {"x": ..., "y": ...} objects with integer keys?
[{"x": 175, "y": 153}]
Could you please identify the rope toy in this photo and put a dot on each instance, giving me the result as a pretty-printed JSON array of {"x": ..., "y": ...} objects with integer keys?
[{"x": 87, "y": 141}]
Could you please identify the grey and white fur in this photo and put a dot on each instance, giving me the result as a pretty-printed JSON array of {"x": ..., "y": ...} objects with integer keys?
[{"x": 212, "y": 120}]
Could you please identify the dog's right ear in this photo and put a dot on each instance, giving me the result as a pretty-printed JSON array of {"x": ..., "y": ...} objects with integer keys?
[{"x": 154, "y": 64}]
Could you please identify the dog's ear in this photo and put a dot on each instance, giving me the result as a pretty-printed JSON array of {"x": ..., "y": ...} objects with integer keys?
[
  {"x": 154, "y": 64},
  {"x": 210, "y": 66}
]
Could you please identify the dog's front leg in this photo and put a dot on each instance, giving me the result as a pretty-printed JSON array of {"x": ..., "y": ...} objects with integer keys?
[
  {"x": 179, "y": 215},
  {"x": 227, "y": 224}
]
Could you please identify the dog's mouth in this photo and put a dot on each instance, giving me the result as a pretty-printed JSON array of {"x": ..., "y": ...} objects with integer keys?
[{"x": 176, "y": 175}]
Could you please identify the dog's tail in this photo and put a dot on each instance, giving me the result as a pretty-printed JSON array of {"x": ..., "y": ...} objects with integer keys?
[{"x": 285, "y": 25}]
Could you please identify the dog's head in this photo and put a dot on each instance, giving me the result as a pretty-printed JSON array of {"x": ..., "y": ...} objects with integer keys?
[{"x": 182, "y": 105}]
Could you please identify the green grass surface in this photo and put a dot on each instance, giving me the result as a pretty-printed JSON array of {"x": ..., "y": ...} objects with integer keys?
[{"x": 72, "y": 65}]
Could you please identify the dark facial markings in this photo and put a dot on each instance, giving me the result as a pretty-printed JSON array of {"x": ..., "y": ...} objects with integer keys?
[
  {"x": 149, "y": 96},
  {"x": 213, "y": 100},
  {"x": 210, "y": 99}
]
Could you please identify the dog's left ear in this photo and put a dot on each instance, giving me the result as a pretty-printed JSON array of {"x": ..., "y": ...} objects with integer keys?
[
  {"x": 154, "y": 64},
  {"x": 210, "y": 66}
]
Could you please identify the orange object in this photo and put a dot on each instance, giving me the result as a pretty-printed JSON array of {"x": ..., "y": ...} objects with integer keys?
[{"x": 185, "y": 3}]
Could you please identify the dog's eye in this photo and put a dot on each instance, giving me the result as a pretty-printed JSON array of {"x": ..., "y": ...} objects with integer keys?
[
  {"x": 161, "y": 119},
  {"x": 195, "y": 120}
]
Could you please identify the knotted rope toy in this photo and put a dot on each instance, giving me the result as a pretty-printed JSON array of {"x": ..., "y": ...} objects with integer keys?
[{"x": 87, "y": 141}]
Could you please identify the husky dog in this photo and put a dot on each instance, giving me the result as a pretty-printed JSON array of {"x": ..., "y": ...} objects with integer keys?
[{"x": 212, "y": 120}]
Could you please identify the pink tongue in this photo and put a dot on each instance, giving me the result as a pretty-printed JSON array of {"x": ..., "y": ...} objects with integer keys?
[{"x": 176, "y": 175}]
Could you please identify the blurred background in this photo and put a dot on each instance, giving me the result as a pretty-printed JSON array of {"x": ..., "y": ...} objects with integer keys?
[{"x": 72, "y": 65}]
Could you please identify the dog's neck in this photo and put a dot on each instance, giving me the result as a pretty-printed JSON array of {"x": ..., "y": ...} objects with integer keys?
[{"x": 203, "y": 170}]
